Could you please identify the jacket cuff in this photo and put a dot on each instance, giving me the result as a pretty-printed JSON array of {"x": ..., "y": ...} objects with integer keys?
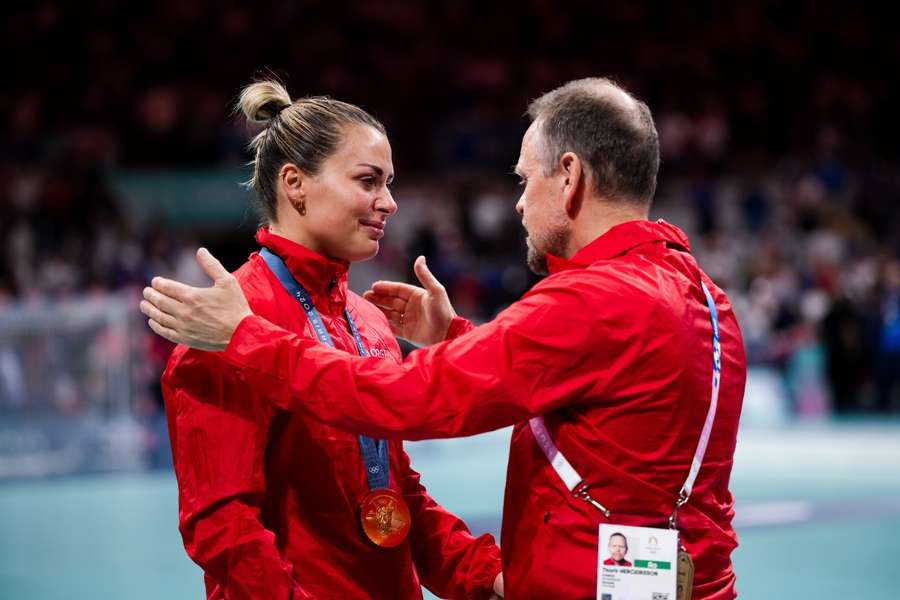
[
  {"x": 482, "y": 585},
  {"x": 458, "y": 326}
]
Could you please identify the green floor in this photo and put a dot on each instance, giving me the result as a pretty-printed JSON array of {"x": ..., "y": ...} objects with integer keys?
[{"x": 818, "y": 514}]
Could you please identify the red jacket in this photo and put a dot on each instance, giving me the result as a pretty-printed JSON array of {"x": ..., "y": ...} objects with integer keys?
[
  {"x": 614, "y": 348},
  {"x": 611, "y": 562},
  {"x": 268, "y": 500}
]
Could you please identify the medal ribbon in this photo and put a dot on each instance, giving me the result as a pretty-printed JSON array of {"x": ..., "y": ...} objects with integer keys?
[
  {"x": 573, "y": 480},
  {"x": 374, "y": 452}
]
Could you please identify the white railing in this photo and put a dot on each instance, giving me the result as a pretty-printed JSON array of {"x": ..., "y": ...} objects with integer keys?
[{"x": 68, "y": 389}]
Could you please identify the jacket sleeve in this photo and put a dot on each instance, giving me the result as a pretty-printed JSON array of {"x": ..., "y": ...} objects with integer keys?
[
  {"x": 449, "y": 560},
  {"x": 537, "y": 355},
  {"x": 458, "y": 327},
  {"x": 218, "y": 445}
]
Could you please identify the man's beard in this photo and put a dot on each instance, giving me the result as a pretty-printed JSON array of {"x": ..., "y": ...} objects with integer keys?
[{"x": 554, "y": 242}]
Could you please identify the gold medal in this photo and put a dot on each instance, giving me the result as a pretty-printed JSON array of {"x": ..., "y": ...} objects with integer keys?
[
  {"x": 385, "y": 517},
  {"x": 685, "y": 576}
]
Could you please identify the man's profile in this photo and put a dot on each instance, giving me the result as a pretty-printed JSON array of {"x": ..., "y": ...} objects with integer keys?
[{"x": 618, "y": 548}]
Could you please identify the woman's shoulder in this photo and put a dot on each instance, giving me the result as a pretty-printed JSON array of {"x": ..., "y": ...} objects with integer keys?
[
  {"x": 190, "y": 368},
  {"x": 252, "y": 272},
  {"x": 255, "y": 286},
  {"x": 259, "y": 285}
]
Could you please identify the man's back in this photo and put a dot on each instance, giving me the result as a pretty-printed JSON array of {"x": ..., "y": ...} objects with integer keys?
[{"x": 640, "y": 378}]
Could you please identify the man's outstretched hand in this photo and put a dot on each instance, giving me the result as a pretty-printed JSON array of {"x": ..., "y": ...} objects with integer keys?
[
  {"x": 202, "y": 318},
  {"x": 205, "y": 318},
  {"x": 421, "y": 315}
]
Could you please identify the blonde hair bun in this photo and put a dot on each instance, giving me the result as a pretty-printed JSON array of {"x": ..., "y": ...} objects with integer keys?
[{"x": 263, "y": 100}]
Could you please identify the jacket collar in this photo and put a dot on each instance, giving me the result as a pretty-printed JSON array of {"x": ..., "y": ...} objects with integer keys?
[
  {"x": 619, "y": 240},
  {"x": 324, "y": 278}
]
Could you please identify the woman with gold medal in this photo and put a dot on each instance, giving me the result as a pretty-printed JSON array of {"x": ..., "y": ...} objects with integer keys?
[{"x": 276, "y": 505}]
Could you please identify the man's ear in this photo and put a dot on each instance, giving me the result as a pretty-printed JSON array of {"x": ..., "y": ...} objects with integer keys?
[{"x": 572, "y": 173}]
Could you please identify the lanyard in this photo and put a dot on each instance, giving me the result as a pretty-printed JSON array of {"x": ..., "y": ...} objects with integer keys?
[
  {"x": 374, "y": 452},
  {"x": 575, "y": 482}
]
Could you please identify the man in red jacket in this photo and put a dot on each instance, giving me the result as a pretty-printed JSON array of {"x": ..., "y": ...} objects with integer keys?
[{"x": 623, "y": 370}]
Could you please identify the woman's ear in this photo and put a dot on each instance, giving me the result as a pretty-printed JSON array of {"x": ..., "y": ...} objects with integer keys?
[{"x": 293, "y": 180}]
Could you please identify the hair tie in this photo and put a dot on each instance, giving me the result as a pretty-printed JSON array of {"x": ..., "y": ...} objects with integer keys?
[{"x": 271, "y": 109}]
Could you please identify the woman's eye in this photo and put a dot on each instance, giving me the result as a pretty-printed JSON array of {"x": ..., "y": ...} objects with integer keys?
[{"x": 368, "y": 182}]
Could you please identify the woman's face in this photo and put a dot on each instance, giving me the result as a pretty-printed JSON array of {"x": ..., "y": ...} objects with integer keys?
[{"x": 348, "y": 202}]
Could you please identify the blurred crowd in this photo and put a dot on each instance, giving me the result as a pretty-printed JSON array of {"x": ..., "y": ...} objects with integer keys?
[{"x": 777, "y": 126}]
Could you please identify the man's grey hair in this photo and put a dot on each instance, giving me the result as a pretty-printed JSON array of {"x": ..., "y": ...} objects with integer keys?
[{"x": 610, "y": 131}]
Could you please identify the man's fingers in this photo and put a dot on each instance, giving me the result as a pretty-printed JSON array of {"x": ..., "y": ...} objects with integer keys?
[
  {"x": 394, "y": 288},
  {"x": 161, "y": 301},
  {"x": 386, "y": 302},
  {"x": 169, "y": 334},
  {"x": 391, "y": 313},
  {"x": 173, "y": 289},
  {"x": 378, "y": 300},
  {"x": 393, "y": 318},
  {"x": 429, "y": 281},
  {"x": 157, "y": 315},
  {"x": 211, "y": 265}
]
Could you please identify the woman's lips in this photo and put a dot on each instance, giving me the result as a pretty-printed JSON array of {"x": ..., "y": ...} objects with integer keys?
[{"x": 375, "y": 229}]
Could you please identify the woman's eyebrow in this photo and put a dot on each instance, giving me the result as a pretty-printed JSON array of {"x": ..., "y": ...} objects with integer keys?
[{"x": 378, "y": 170}]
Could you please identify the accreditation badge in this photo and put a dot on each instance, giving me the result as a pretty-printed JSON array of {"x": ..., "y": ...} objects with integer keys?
[
  {"x": 385, "y": 517},
  {"x": 636, "y": 563}
]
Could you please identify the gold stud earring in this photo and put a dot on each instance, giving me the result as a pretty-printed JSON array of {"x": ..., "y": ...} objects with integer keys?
[{"x": 300, "y": 207}]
